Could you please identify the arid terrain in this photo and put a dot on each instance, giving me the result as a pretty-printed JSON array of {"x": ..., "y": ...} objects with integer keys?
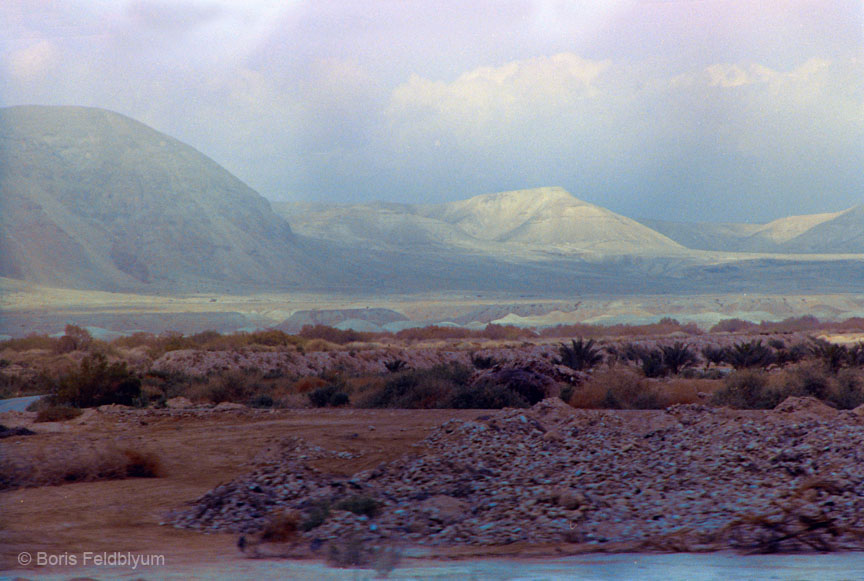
[{"x": 377, "y": 450}]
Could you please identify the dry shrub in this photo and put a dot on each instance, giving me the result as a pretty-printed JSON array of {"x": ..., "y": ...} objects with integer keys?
[
  {"x": 591, "y": 395},
  {"x": 309, "y": 383},
  {"x": 74, "y": 461},
  {"x": 56, "y": 413},
  {"x": 334, "y": 335},
  {"x": 616, "y": 388},
  {"x": 320, "y": 345},
  {"x": 685, "y": 391},
  {"x": 665, "y": 326},
  {"x": 281, "y": 527},
  {"x": 231, "y": 386}
]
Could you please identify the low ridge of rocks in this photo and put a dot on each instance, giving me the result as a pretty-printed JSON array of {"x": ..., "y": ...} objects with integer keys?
[{"x": 690, "y": 478}]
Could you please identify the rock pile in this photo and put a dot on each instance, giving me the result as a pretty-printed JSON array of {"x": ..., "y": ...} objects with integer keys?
[{"x": 688, "y": 478}]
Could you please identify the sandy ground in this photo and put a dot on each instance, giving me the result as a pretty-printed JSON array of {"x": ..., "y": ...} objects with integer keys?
[
  {"x": 202, "y": 449},
  {"x": 198, "y": 453}
]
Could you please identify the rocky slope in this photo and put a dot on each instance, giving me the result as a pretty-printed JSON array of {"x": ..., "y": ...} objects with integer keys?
[
  {"x": 690, "y": 478},
  {"x": 93, "y": 199}
]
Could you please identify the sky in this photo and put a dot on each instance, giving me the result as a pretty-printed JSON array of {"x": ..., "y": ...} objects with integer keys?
[{"x": 690, "y": 110}]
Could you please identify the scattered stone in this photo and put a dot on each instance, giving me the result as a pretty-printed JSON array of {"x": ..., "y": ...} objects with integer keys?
[
  {"x": 179, "y": 403},
  {"x": 692, "y": 478}
]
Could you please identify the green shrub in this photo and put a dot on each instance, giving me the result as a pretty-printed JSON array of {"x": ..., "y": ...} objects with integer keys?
[
  {"x": 834, "y": 356},
  {"x": 810, "y": 380},
  {"x": 749, "y": 354},
  {"x": 487, "y": 397},
  {"x": 420, "y": 388},
  {"x": 652, "y": 364},
  {"x": 528, "y": 385},
  {"x": 329, "y": 396},
  {"x": 360, "y": 505},
  {"x": 317, "y": 515},
  {"x": 678, "y": 356},
  {"x": 481, "y": 362},
  {"x": 848, "y": 390},
  {"x": 96, "y": 382},
  {"x": 395, "y": 366},
  {"x": 715, "y": 355},
  {"x": 262, "y": 400},
  {"x": 579, "y": 356}
]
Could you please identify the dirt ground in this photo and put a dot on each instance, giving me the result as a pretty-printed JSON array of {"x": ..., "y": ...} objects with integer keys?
[{"x": 198, "y": 451}]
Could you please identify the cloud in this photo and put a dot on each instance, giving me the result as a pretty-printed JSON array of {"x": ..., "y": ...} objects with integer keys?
[
  {"x": 606, "y": 128},
  {"x": 34, "y": 60},
  {"x": 161, "y": 15}
]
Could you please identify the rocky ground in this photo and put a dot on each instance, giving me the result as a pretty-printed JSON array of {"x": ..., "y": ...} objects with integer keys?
[{"x": 690, "y": 478}]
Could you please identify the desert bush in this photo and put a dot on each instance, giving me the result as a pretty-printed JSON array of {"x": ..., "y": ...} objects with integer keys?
[
  {"x": 316, "y": 516},
  {"x": 809, "y": 380},
  {"x": 847, "y": 391},
  {"x": 74, "y": 338},
  {"x": 261, "y": 401},
  {"x": 678, "y": 356},
  {"x": 589, "y": 395},
  {"x": 420, "y": 388},
  {"x": 75, "y": 461},
  {"x": 633, "y": 352},
  {"x": 280, "y": 527},
  {"x": 856, "y": 355},
  {"x": 96, "y": 382},
  {"x": 749, "y": 354},
  {"x": 733, "y": 326},
  {"x": 833, "y": 355},
  {"x": 615, "y": 389},
  {"x": 395, "y": 365},
  {"x": 231, "y": 386},
  {"x": 747, "y": 389},
  {"x": 481, "y": 362},
  {"x": 332, "y": 334},
  {"x": 362, "y": 505},
  {"x": 497, "y": 332},
  {"x": 30, "y": 343},
  {"x": 329, "y": 396},
  {"x": 665, "y": 326},
  {"x": 486, "y": 396},
  {"x": 685, "y": 390},
  {"x": 652, "y": 364},
  {"x": 309, "y": 383},
  {"x": 56, "y": 413},
  {"x": 580, "y": 355},
  {"x": 790, "y": 355},
  {"x": 435, "y": 332},
  {"x": 714, "y": 354},
  {"x": 527, "y": 384}
]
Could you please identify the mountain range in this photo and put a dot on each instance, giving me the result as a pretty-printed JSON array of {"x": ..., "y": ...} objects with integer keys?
[{"x": 91, "y": 199}]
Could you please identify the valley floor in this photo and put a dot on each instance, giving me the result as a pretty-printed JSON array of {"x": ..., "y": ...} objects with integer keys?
[{"x": 759, "y": 481}]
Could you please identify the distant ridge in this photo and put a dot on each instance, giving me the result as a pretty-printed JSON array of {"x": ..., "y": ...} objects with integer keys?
[
  {"x": 827, "y": 233},
  {"x": 541, "y": 219}
]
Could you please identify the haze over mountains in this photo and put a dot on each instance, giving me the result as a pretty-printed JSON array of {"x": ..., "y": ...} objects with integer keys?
[
  {"x": 831, "y": 233},
  {"x": 94, "y": 200}
]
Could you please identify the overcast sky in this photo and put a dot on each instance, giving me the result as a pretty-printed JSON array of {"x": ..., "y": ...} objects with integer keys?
[{"x": 675, "y": 109}]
